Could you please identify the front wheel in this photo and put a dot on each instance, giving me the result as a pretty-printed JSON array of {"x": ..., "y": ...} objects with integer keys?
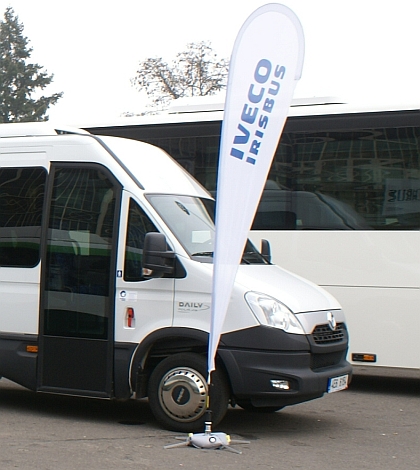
[{"x": 178, "y": 393}]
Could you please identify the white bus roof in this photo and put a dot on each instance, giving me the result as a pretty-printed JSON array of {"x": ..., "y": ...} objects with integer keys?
[{"x": 207, "y": 109}]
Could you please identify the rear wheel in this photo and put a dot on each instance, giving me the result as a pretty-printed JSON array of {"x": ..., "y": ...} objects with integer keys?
[{"x": 178, "y": 393}]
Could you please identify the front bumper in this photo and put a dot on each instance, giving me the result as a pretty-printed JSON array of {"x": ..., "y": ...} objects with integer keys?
[{"x": 251, "y": 372}]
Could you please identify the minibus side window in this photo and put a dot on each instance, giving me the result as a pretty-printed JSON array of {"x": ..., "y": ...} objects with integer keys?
[
  {"x": 22, "y": 193},
  {"x": 138, "y": 225},
  {"x": 79, "y": 253}
]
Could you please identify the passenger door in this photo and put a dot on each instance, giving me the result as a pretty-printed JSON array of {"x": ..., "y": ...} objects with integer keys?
[{"x": 76, "y": 344}]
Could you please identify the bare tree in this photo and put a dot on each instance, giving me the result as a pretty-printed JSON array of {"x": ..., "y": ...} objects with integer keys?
[{"x": 197, "y": 71}]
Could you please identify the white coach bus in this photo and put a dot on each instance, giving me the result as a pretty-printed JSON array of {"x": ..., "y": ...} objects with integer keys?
[{"x": 341, "y": 208}]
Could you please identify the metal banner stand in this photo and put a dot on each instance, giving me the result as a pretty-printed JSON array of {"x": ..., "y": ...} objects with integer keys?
[{"x": 209, "y": 439}]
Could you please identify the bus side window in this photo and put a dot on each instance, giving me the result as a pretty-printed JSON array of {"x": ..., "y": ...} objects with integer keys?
[
  {"x": 274, "y": 220},
  {"x": 21, "y": 202},
  {"x": 138, "y": 225}
]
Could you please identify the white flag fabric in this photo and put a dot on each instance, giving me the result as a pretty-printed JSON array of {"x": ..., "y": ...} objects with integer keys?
[{"x": 265, "y": 65}]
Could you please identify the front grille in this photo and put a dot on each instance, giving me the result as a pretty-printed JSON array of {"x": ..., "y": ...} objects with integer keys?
[{"x": 323, "y": 334}]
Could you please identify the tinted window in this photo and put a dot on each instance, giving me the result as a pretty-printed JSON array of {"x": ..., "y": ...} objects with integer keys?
[
  {"x": 21, "y": 203},
  {"x": 138, "y": 225},
  {"x": 355, "y": 179},
  {"x": 79, "y": 253},
  {"x": 339, "y": 172}
]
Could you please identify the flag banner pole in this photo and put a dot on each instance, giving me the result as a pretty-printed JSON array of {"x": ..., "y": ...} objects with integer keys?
[{"x": 265, "y": 65}]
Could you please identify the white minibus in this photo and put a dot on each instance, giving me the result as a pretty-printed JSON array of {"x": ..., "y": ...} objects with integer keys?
[{"x": 105, "y": 287}]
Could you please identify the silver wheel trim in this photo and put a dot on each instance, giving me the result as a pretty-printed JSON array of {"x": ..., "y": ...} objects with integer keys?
[{"x": 182, "y": 394}]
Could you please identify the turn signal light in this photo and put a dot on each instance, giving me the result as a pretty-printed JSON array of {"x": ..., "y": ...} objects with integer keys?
[{"x": 363, "y": 357}]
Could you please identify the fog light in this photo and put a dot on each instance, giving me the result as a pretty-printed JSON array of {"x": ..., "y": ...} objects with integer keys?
[{"x": 280, "y": 384}]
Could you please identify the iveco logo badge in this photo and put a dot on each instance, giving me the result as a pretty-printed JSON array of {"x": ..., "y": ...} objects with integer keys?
[{"x": 331, "y": 321}]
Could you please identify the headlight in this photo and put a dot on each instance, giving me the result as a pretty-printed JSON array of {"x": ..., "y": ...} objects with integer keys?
[{"x": 271, "y": 312}]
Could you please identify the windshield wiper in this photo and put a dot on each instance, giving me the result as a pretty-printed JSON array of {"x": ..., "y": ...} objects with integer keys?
[
  {"x": 203, "y": 253},
  {"x": 247, "y": 258}
]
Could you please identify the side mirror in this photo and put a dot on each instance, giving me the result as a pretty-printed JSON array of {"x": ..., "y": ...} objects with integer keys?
[
  {"x": 266, "y": 250},
  {"x": 156, "y": 256}
]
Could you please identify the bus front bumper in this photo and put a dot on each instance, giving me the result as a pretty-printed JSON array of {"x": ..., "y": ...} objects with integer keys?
[{"x": 270, "y": 379}]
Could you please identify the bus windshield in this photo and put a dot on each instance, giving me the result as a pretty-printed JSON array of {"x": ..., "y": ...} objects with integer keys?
[{"x": 191, "y": 220}]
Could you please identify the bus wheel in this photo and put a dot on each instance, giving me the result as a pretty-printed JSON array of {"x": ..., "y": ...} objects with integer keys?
[{"x": 178, "y": 393}]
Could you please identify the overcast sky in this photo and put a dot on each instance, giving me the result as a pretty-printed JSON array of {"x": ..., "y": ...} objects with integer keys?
[{"x": 364, "y": 50}]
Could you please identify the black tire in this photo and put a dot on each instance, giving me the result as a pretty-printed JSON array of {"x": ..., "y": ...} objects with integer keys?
[
  {"x": 178, "y": 393},
  {"x": 247, "y": 406}
]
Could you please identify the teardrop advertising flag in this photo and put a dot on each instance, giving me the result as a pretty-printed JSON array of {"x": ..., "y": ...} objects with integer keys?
[{"x": 265, "y": 65}]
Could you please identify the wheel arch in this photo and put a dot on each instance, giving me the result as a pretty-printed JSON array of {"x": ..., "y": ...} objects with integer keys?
[{"x": 161, "y": 344}]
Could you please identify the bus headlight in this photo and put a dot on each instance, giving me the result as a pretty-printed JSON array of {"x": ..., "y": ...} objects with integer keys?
[{"x": 271, "y": 312}]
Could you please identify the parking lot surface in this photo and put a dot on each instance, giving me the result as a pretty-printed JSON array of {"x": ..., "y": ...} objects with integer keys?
[{"x": 375, "y": 424}]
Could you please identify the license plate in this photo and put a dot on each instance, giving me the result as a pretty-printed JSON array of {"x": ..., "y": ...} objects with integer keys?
[{"x": 335, "y": 384}]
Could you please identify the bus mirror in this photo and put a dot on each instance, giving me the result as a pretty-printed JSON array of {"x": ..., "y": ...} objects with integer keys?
[
  {"x": 266, "y": 250},
  {"x": 156, "y": 256}
]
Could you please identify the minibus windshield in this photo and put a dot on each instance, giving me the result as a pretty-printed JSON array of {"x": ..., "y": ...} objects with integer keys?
[{"x": 191, "y": 220}]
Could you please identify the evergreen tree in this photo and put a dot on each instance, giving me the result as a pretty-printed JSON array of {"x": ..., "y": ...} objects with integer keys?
[{"x": 19, "y": 80}]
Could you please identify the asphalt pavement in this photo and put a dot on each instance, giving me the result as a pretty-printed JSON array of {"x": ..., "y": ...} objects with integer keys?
[{"x": 375, "y": 424}]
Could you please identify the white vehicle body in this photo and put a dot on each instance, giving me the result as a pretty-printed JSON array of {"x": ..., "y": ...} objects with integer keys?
[
  {"x": 341, "y": 208},
  {"x": 88, "y": 308}
]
